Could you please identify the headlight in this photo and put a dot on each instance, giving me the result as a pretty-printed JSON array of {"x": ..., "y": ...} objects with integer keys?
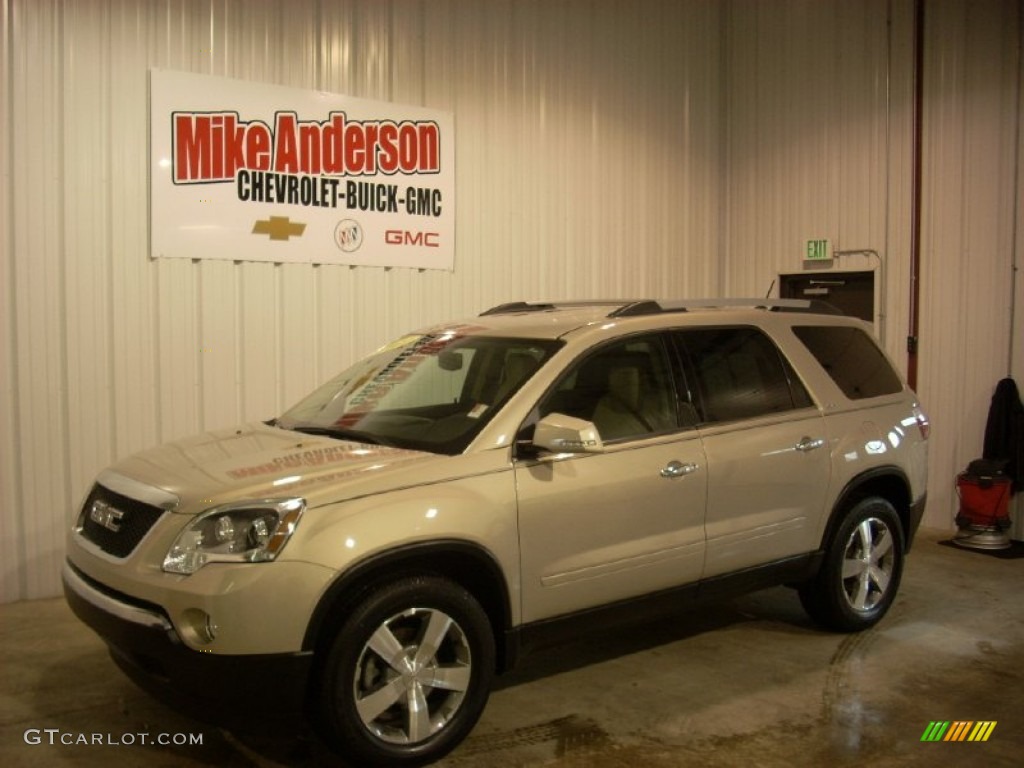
[{"x": 244, "y": 532}]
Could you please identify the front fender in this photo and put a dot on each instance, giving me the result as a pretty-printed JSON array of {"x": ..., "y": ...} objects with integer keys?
[{"x": 464, "y": 528}]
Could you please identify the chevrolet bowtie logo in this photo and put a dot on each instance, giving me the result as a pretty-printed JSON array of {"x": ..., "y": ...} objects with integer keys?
[{"x": 278, "y": 227}]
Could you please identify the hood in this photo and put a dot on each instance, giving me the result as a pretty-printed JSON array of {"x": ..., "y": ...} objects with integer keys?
[{"x": 258, "y": 461}]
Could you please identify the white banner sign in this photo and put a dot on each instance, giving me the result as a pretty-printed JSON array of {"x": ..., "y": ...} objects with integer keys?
[{"x": 254, "y": 172}]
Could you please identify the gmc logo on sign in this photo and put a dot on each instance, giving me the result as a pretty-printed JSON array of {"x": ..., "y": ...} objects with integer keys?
[{"x": 405, "y": 237}]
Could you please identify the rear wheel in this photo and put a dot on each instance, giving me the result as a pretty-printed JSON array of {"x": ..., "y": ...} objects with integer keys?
[
  {"x": 861, "y": 572},
  {"x": 408, "y": 674}
]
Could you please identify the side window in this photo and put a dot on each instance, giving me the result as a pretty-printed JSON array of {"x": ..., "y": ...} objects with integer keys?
[
  {"x": 852, "y": 359},
  {"x": 740, "y": 374},
  {"x": 625, "y": 389}
]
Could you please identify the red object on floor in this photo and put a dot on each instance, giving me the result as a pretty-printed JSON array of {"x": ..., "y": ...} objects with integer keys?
[{"x": 984, "y": 501}]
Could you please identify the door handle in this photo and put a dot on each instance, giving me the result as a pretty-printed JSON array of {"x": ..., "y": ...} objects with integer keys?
[
  {"x": 678, "y": 469},
  {"x": 810, "y": 444}
]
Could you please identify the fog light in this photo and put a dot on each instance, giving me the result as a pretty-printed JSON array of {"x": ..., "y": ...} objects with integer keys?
[{"x": 198, "y": 626}]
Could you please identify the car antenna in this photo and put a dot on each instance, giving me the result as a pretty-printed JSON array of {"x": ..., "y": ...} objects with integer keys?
[{"x": 769, "y": 294}]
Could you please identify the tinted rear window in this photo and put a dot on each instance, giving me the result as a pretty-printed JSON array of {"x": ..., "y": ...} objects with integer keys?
[
  {"x": 740, "y": 374},
  {"x": 852, "y": 359}
]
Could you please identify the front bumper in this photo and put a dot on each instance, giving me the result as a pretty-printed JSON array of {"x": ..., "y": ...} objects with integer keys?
[{"x": 228, "y": 690}]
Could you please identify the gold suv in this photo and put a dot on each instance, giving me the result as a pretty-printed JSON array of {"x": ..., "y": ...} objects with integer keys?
[{"x": 373, "y": 556}]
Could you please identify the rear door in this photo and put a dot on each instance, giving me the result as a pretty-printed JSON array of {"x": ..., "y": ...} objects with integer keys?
[{"x": 766, "y": 447}]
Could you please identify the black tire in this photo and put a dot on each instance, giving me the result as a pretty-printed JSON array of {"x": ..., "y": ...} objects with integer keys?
[
  {"x": 441, "y": 649},
  {"x": 860, "y": 574}
]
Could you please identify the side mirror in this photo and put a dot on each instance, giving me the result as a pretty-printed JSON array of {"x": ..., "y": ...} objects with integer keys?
[{"x": 559, "y": 433}]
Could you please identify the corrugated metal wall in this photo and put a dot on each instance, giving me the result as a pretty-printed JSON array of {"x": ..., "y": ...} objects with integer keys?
[
  {"x": 587, "y": 165},
  {"x": 819, "y": 116},
  {"x": 604, "y": 147},
  {"x": 819, "y": 104},
  {"x": 970, "y": 218}
]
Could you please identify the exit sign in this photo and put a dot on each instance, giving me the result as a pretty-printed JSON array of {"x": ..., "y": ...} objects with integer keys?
[{"x": 818, "y": 250}]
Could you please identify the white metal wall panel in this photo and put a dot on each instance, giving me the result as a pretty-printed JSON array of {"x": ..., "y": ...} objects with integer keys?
[
  {"x": 604, "y": 147},
  {"x": 588, "y": 164},
  {"x": 1015, "y": 344},
  {"x": 37, "y": 315},
  {"x": 819, "y": 107},
  {"x": 971, "y": 215},
  {"x": 819, "y": 140},
  {"x": 13, "y": 564}
]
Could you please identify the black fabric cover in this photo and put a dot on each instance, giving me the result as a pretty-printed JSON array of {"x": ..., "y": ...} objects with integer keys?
[{"x": 1004, "y": 431}]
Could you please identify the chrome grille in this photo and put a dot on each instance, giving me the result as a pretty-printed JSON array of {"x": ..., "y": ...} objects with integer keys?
[{"x": 115, "y": 523}]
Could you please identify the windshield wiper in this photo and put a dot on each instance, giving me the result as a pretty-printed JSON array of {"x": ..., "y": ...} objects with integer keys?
[{"x": 340, "y": 433}]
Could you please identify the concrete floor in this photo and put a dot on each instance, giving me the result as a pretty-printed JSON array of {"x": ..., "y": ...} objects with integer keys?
[{"x": 746, "y": 683}]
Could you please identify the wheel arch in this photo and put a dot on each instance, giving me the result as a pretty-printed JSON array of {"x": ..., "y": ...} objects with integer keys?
[
  {"x": 465, "y": 563},
  {"x": 889, "y": 483}
]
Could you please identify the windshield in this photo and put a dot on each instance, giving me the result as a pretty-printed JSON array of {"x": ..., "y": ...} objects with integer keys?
[{"x": 431, "y": 393}]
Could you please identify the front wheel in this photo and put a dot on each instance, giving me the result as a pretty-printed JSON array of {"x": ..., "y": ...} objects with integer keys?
[
  {"x": 861, "y": 571},
  {"x": 408, "y": 674}
]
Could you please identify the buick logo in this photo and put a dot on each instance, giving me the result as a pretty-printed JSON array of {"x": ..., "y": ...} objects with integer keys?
[
  {"x": 348, "y": 235},
  {"x": 103, "y": 514}
]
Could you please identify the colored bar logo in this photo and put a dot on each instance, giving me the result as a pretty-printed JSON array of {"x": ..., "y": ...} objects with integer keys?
[{"x": 959, "y": 730}]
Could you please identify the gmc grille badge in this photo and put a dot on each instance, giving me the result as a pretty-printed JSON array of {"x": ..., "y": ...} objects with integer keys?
[{"x": 103, "y": 514}]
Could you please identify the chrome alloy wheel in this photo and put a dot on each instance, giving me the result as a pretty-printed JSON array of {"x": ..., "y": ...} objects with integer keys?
[
  {"x": 412, "y": 676},
  {"x": 868, "y": 564}
]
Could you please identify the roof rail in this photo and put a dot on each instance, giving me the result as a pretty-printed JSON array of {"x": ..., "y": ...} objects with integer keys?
[
  {"x": 816, "y": 306},
  {"x": 651, "y": 307},
  {"x": 547, "y": 306},
  {"x": 636, "y": 308},
  {"x": 515, "y": 306},
  {"x": 640, "y": 307}
]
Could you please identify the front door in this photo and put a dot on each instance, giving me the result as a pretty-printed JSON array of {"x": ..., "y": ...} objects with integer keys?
[{"x": 596, "y": 528}]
